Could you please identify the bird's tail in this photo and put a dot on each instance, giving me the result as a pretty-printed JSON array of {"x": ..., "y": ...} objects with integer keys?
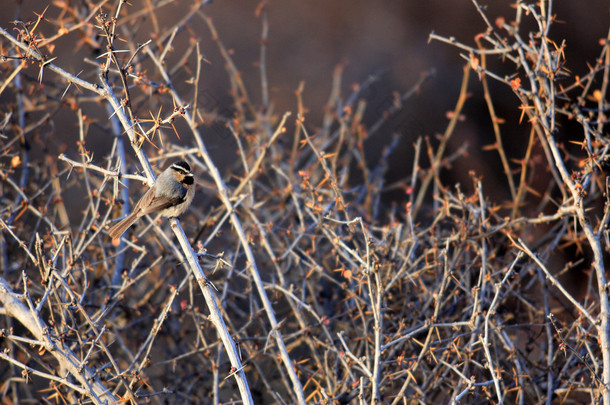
[{"x": 118, "y": 229}]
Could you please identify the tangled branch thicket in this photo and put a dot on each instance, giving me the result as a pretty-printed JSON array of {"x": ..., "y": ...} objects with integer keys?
[{"x": 293, "y": 282}]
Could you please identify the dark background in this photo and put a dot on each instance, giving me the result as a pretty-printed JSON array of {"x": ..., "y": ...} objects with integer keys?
[{"x": 308, "y": 39}]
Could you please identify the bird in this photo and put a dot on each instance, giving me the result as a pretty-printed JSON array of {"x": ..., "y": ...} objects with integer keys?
[{"x": 170, "y": 196}]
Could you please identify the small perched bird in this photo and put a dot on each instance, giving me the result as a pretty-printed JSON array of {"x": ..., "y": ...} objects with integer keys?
[{"x": 170, "y": 196}]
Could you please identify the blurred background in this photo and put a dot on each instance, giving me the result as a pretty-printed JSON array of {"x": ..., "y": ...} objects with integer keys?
[{"x": 307, "y": 40}]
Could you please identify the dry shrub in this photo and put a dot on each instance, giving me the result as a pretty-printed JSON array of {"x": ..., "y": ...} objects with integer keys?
[{"x": 300, "y": 279}]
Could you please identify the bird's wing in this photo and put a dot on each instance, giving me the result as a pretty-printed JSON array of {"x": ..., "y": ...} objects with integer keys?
[{"x": 160, "y": 203}]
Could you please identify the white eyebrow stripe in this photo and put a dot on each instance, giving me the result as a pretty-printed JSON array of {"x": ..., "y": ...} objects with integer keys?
[{"x": 181, "y": 169}]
